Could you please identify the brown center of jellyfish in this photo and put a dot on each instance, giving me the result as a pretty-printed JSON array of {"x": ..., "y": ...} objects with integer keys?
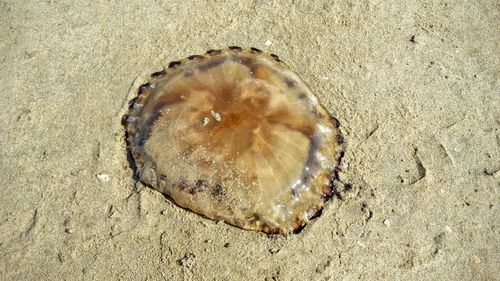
[
  {"x": 221, "y": 119},
  {"x": 242, "y": 118},
  {"x": 236, "y": 137}
]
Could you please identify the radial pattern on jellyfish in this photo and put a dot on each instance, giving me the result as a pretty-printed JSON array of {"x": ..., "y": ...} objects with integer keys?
[{"x": 235, "y": 135}]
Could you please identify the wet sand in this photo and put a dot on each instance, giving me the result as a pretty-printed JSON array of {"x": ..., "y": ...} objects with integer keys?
[{"x": 415, "y": 86}]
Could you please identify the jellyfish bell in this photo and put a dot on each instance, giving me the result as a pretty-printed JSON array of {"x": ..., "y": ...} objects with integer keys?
[{"x": 235, "y": 135}]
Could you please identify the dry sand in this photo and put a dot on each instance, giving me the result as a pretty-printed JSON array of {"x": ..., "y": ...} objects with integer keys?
[{"x": 415, "y": 85}]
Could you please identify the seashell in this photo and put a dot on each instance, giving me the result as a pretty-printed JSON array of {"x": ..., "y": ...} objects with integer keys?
[{"x": 235, "y": 135}]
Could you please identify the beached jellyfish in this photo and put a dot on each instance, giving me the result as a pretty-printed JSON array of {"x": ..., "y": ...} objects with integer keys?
[{"x": 235, "y": 135}]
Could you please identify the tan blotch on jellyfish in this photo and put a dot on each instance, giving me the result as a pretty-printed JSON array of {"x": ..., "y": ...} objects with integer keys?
[{"x": 235, "y": 135}]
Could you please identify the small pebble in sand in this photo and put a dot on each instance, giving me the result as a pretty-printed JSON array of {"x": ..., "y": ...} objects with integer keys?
[
  {"x": 104, "y": 178},
  {"x": 386, "y": 222},
  {"x": 274, "y": 250},
  {"x": 343, "y": 166},
  {"x": 188, "y": 260},
  {"x": 268, "y": 43},
  {"x": 115, "y": 230},
  {"x": 476, "y": 259}
]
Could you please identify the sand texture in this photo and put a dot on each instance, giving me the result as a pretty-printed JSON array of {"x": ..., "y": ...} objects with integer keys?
[{"x": 414, "y": 84}]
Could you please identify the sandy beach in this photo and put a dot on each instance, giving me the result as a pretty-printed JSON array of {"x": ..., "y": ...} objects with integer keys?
[{"x": 414, "y": 84}]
